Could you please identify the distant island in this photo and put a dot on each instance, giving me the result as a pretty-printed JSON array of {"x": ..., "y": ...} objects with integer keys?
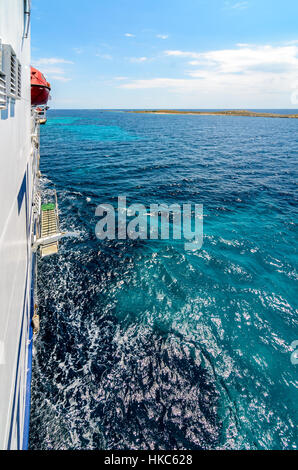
[{"x": 218, "y": 113}]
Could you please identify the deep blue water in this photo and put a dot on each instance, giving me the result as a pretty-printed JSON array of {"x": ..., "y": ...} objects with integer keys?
[{"x": 144, "y": 345}]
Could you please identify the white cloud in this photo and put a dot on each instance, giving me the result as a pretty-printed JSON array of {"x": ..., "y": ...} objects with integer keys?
[
  {"x": 169, "y": 83},
  {"x": 162, "y": 36},
  {"x": 53, "y": 70},
  {"x": 129, "y": 35},
  {"x": 240, "y": 44},
  {"x": 52, "y": 61},
  {"x": 104, "y": 56},
  {"x": 78, "y": 50},
  {"x": 182, "y": 54},
  {"x": 291, "y": 43},
  {"x": 138, "y": 59},
  {"x": 120, "y": 78},
  {"x": 236, "y": 6},
  {"x": 242, "y": 59},
  {"x": 50, "y": 69},
  {"x": 246, "y": 71},
  {"x": 60, "y": 78}
]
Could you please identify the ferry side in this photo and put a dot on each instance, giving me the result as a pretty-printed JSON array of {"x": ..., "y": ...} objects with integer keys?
[{"x": 19, "y": 142}]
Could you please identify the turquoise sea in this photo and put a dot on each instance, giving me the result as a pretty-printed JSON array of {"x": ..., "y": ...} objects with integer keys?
[{"x": 144, "y": 345}]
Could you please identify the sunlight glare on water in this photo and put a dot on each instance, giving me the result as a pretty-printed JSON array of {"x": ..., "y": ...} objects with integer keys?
[{"x": 144, "y": 345}]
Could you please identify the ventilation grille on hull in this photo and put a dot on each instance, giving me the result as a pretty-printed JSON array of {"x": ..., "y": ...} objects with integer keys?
[
  {"x": 19, "y": 90},
  {"x": 3, "y": 99},
  {"x": 13, "y": 71}
]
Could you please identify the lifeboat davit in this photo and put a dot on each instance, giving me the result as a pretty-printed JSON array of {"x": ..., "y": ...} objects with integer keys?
[{"x": 40, "y": 88}]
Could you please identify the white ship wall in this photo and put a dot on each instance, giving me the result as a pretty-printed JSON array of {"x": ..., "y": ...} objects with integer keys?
[{"x": 16, "y": 187}]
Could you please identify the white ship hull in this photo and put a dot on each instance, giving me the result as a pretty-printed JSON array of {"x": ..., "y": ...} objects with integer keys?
[{"x": 18, "y": 165}]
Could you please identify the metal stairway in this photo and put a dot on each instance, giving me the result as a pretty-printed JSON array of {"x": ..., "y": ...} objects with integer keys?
[{"x": 49, "y": 229}]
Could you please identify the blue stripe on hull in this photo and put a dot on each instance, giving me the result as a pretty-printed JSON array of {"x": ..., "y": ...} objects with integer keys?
[
  {"x": 16, "y": 395},
  {"x": 29, "y": 367},
  {"x": 27, "y": 313}
]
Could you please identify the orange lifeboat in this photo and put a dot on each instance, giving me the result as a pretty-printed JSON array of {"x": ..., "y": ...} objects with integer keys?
[{"x": 40, "y": 88}]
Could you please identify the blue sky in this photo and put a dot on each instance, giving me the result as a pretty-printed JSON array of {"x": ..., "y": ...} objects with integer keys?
[{"x": 168, "y": 53}]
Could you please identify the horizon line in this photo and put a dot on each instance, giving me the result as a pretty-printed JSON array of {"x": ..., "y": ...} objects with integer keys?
[{"x": 165, "y": 109}]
